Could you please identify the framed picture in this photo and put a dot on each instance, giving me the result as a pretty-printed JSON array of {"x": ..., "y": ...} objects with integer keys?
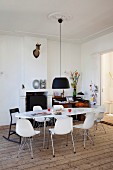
[{"x": 69, "y": 98}]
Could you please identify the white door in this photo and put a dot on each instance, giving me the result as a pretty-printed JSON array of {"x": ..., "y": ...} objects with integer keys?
[{"x": 106, "y": 77}]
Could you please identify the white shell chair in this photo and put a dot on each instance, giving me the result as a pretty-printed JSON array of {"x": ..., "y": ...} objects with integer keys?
[
  {"x": 62, "y": 126},
  {"x": 99, "y": 115},
  {"x": 41, "y": 119},
  {"x": 58, "y": 107},
  {"x": 25, "y": 129},
  {"x": 88, "y": 123}
]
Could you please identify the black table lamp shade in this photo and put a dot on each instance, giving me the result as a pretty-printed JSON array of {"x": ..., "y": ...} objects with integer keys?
[{"x": 60, "y": 83}]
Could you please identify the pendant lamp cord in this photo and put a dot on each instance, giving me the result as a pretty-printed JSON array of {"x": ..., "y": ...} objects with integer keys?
[
  {"x": 60, "y": 20},
  {"x": 60, "y": 49}
]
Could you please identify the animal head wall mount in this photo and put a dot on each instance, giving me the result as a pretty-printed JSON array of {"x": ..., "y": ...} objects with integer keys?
[{"x": 36, "y": 52}]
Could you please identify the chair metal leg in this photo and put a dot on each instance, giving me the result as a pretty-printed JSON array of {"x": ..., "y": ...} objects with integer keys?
[
  {"x": 52, "y": 145},
  {"x": 27, "y": 143},
  {"x": 73, "y": 142},
  {"x": 89, "y": 136},
  {"x": 95, "y": 127},
  {"x": 67, "y": 140},
  {"x": 85, "y": 138},
  {"x": 48, "y": 140},
  {"x": 76, "y": 135},
  {"x": 44, "y": 133},
  {"x": 20, "y": 147},
  {"x": 20, "y": 139},
  {"x": 31, "y": 149},
  {"x": 24, "y": 142},
  {"x": 103, "y": 127}
]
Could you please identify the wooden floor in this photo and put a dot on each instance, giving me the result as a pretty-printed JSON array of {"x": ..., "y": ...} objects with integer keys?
[
  {"x": 108, "y": 118},
  {"x": 97, "y": 157}
]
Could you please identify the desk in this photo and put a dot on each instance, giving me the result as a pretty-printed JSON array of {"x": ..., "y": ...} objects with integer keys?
[{"x": 50, "y": 114}]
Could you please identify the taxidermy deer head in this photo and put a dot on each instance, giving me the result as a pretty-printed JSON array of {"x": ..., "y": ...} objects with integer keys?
[{"x": 36, "y": 52}]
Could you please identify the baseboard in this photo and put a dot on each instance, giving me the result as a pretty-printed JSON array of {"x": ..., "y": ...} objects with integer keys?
[
  {"x": 107, "y": 123},
  {"x": 4, "y": 127}
]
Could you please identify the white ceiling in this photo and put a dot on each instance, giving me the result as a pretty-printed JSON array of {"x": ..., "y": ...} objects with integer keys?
[{"x": 90, "y": 18}]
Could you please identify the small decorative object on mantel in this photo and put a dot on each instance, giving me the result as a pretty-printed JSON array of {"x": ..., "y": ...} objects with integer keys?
[
  {"x": 36, "y": 84},
  {"x": 39, "y": 84},
  {"x": 43, "y": 84},
  {"x": 36, "y": 52}
]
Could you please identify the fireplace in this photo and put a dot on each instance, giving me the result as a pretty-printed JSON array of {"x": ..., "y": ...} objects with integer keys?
[{"x": 36, "y": 98}]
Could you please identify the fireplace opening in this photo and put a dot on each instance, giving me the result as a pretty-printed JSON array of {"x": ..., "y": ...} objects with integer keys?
[{"x": 36, "y": 98}]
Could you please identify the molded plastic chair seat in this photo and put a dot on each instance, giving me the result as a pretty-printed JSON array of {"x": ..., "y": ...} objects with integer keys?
[
  {"x": 62, "y": 127},
  {"x": 99, "y": 115},
  {"x": 40, "y": 119},
  {"x": 79, "y": 126},
  {"x": 58, "y": 107},
  {"x": 88, "y": 123},
  {"x": 25, "y": 129}
]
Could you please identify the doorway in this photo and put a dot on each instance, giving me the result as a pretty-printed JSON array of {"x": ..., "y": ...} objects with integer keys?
[{"x": 106, "y": 77}]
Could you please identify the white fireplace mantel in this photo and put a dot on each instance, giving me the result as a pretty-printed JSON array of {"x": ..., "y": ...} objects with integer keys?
[{"x": 23, "y": 97}]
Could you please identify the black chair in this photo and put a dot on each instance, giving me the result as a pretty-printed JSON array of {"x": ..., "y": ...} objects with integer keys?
[{"x": 12, "y": 126}]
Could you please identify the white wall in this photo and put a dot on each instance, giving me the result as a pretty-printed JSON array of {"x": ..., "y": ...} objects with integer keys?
[
  {"x": 18, "y": 66},
  {"x": 34, "y": 68},
  {"x": 70, "y": 61},
  {"x": 89, "y": 50},
  {"x": 10, "y": 52},
  {"x": 105, "y": 77}
]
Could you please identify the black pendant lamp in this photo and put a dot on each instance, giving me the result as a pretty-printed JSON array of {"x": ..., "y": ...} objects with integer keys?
[{"x": 60, "y": 82}]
